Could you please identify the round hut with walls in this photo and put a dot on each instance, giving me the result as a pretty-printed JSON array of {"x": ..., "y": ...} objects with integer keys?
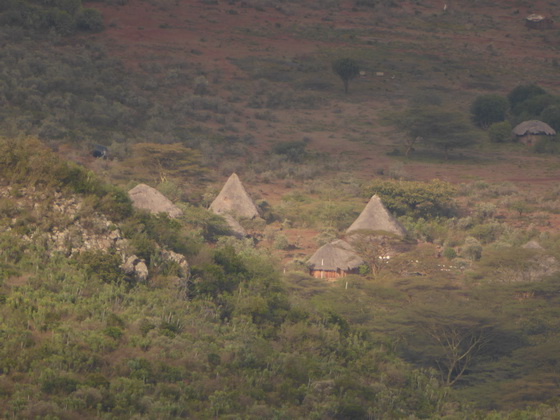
[
  {"x": 334, "y": 260},
  {"x": 535, "y": 21},
  {"x": 529, "y": 132}
]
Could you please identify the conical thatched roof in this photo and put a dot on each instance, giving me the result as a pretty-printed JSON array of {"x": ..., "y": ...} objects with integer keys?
[
  {"x": 376, "y": 217},
  {"x": 236, "y": 229},
  {"x": 533, "y": 127},
  {"x": 532, "y": 244},
  {"x": 147, "y": 198},
  {"x": 234, "y": 200},
  {"x": 335, "y": 255}
]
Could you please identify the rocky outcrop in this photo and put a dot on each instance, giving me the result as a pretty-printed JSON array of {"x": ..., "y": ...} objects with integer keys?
[
  {"x": 183, "y": 271},
  {"x": 134, "y": 266},
  {"x": 68, "y": 225}
]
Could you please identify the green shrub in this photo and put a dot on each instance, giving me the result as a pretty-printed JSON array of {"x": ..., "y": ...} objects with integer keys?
[
  {"x": 500, "y": 132},
  {"x": 522, "y": 93},
  {"x": 487, "y": 232},
  {"x": 62, "y": 22},
  {"x": 449, "y": 253},
  {"x": 113, "y": 332},
  {"x": 90, "y": 20},
  {"x": 414, "y": 198},
  {"x": 59, "y": 385},
  {"x": 472, "y": 249},
  {"x": 102, "y": 265},
  {"x": 551, "y": 116},
  {"x": 489, "y": 109},
  {"x": 281, "y": 242},
  {"x": 145, "y": 231},
  {"x": 547, "y": 145},
  {"x": 293, "y": 150}
]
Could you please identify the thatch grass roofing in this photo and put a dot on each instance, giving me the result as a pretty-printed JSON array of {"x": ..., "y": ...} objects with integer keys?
[
  {"x": 376, "y": 217},
  {"x": 334, "y": 256},
  {"x": 147, "y": 198},
  {"x": 236, "y": 229},
  {"x": 234, "y": 200},
  {"x": 532, "y": 244},
  {"x": 533, "y": 127}
]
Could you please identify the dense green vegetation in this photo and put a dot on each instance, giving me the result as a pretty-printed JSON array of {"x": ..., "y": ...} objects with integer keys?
[
  {"x": 462, "y": 323},
  {"x": 61, "y": 16},
  {"x": 80, "y": 338}
]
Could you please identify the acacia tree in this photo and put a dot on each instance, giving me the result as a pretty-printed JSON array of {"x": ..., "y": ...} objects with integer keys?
[
  {"x": 439, "y": 128},
  {"x": 488, "y": 109},
  {"x": 452, "y": 339},
  {"x": 375, "y": 248},
  {"x": 161, "y": 161},
  {"x": 347, "y": 69}
]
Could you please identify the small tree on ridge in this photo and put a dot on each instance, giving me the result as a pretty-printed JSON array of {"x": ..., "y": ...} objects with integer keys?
[{"x": 347, "y": 69}]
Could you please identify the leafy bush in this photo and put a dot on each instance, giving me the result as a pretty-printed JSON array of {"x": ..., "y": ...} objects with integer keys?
[
  {"x": 551, "y": 116},
  {"x": 522, "y": 93},
  {"x": 102, "y": 265},
  {"x": 547, "y": 145},
  {"x": 293, "y": 150},
  {"x": 145, "y": 230},
  {"x": 471, "y": 249},
  {"x": 488, "y": 232},
  {"x": 414, "y": 198},
  {"x": 489, "y": 109},
  {"x": 534, "y": 106},
  {"x": 64, "y": 16},
  {"x": 500, "y": 132},
  {"x": 438, "y": 127},
  {"x": 90, "y": 20},
  {"x": 59, "y": 385},
  {"x": 449, "y": 253}
]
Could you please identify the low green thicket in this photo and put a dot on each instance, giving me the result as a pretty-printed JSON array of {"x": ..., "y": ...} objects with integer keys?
[
  {"x": 27, "y": 162},
  {"x": 414, "y": 198},
  {"x": 80, "y": 339},
  {"x": 63, "y": 16}
]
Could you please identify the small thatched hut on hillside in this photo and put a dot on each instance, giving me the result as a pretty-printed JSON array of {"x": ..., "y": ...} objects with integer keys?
[
  {"x": 375, "y": 217},
  {"x": 147, "y": 198},
  {"x": 528, "y": 132},
  {"x": 334, "y": 260},
  {"x": 234, "y": 200},
  {"x": 535, "y": 21}
]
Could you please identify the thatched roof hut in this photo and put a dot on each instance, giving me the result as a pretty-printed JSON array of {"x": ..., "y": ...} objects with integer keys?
[
  {"x": 147, "y": 198},
  {"x": 375, "y": 217},
  {"x": 528, "y": 132},
  {"x": 236, "y": 229},
  {"x": 535, "y": 21},
  {"x": 334, "y": 260},
  {"x": 234, "y": 200},
  {"x": 532, "y": 244}
]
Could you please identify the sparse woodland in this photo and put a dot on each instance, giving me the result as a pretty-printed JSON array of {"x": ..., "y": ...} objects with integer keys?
[{"x": 463, "y": 322}]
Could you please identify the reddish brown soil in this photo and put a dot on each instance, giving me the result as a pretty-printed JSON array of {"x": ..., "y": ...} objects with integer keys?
[
  {"x": 172, "y": 30},
  {"x": 210, "y": 36}
]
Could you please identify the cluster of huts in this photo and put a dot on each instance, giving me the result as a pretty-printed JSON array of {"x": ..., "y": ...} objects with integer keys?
[{"x": 333, "y": 260}]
